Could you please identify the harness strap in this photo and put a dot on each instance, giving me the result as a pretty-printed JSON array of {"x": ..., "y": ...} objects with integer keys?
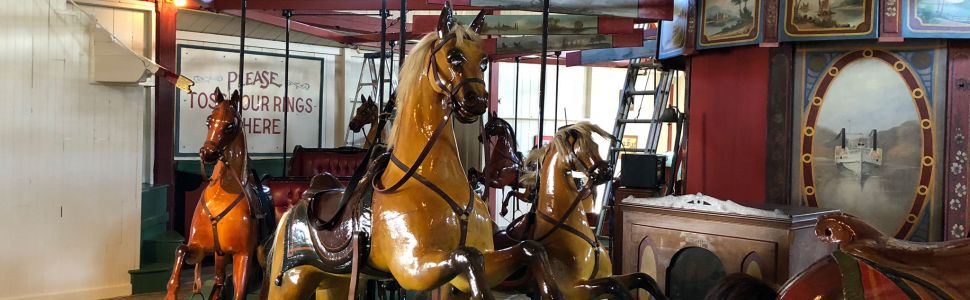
[
  {"x": 215, "y": 220},
  {"x": 410, "y": 171},
  {"x": 462, "y": 214}
]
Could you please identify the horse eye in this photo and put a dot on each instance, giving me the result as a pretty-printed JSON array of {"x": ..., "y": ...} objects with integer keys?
[
  {"x": 230, "y": 127},
  {"x": 484, "y": 64},
  {"x": 455, "y": 57}
]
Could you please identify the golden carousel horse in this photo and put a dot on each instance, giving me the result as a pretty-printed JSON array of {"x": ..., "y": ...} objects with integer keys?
[
  {"x": 366, "y": 113},
  {"x": 232, "y": 215},
  {"x": 427, "y": 226},
  {"x": 871, "y": 265},
  {"x": 558, "y": 218}
]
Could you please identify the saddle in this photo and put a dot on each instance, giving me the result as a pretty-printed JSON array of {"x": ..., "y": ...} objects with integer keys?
[
  {"x": 329, "y": 228},
  {"x": 939, "y": 265}
]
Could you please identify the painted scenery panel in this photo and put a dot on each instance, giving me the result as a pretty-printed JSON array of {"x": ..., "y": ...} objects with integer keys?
[
  {"x": 673, "y": 34},
  {"x": 828, "y": 19},
  {"x": 619, "y": 8},
  {"x": 729, "y": 23},
  {"x": 937, "y": 18},
  {"x": 882, "y": 169}
]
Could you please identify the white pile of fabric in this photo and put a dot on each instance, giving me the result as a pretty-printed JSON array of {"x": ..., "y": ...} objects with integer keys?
[{"x": 706, "y": 203}]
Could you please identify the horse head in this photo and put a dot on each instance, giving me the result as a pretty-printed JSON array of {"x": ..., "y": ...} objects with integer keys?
[
  {"x": 580, "y": 153},
  {"x": 457, "y": 66},
  {"x": 366, "y": 113},
  {"x": 223, "y": 126},
  {"x": 504, "y": 162}
]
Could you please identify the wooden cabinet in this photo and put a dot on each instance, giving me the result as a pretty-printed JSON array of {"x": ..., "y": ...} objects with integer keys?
[{"x": 772, "y": 248}]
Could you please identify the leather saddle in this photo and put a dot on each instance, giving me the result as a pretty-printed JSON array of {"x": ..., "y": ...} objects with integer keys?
[{"x": 329, "y": 228}]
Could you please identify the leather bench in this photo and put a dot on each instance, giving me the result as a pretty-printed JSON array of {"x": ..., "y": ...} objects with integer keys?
[
  {"x": 340, "y": 162},
  {"x": 285, "y": 192},
  {"x": 306, "y": 163}
]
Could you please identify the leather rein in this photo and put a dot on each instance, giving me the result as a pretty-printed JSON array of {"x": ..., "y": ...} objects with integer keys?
[
  {"x": 585, "y": 191},
  {"x": 449, "y": 92}
]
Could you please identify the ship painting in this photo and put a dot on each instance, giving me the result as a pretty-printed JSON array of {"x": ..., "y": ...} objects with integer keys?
[{"x": 859, "y": 155}]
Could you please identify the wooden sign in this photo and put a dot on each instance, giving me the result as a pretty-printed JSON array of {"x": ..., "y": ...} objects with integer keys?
[
  {"x": 262, "y": 104},
  {"x": 532, "y": 24},
  {"x": 640, "y": 9}
]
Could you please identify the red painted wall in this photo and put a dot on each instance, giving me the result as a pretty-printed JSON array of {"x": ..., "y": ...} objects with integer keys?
[{"x": 728, "y": 119}]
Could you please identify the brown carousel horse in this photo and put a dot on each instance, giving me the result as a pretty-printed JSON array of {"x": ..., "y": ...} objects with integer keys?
[
  {"x": 366, "y": 113},
  {"x": 503, "y": 162},
  {"x": 871, "y": 265},
  {"x": 558, "y": 219},
  {"x": 428, "y": 227},
  {"x": 231, "y": 217}
]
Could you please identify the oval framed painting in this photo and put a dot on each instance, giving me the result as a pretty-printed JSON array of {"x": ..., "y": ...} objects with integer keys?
[{"x": 869, "y": 138}]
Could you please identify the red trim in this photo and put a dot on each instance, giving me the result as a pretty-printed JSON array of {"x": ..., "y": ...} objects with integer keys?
[
  {"x": 303, "y": 5},
  {"x": 278, "y": 20},
  {"x": 357, "y": 24},
  {"x": 890, "y": 27},
  {"x": 164, "y": 144}
]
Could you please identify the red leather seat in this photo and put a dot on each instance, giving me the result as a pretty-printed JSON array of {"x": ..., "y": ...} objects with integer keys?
[
  {"x": 285, "y": 192},
  {"x": 340, "y": 162},
  {"x": 309, "y": 162}
]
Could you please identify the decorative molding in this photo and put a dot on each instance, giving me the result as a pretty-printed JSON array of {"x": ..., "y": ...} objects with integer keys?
[{"x": 957, "y": 162}]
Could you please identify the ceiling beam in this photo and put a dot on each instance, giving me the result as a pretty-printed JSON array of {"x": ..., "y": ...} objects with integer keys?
[
  {"x": 300, "y": 5},
  {"x": 356, "y": 24},
  {"x": 278, "y": 20}
]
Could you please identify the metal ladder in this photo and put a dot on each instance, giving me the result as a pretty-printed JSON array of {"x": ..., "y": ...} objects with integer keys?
[
  {"x": 370, "y": 65},
  {"x": 638, "y": 68}
]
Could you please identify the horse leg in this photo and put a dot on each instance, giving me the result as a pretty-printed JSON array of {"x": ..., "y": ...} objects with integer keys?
[
  {"x": 502, "y": 263},
  {"x": 220, "y": 278},
  {"x": 605, "y": 286},
  {"x": 184, "y": 252},
  {"x": 240, "y": 269},
  {"x": 641, "y": 281},
  {"x": 435, "y": 268}
]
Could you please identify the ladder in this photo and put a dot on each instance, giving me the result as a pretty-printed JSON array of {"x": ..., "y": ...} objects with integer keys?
[
  {"x": 639, "y": 68},
  {"x": 370, "y": 65}
]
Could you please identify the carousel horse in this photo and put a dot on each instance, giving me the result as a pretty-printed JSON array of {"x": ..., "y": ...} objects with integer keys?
[
  {"x": 232, "y": 216},
  {"x": 504, "y": 163},
  {"x": 558, "y": 218},
  {"x": 427, "y": 226},
  {"x": 871, "y": 265},
  {"x": 366, "y": 113}
]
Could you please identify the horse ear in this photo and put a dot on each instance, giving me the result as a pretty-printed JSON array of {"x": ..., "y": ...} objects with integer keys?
[
  {"x": 446, "y": 21},
  {"x": 236, "y": 97},
  {"x": 362, "y": 98},
  {"x": 478, "y": 23}
]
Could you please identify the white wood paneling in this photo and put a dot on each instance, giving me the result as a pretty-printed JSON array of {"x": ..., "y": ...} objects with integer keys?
[{"x": 71, "y": 168}]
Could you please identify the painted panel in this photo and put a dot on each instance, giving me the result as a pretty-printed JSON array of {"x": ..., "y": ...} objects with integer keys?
[
  {"x": 262, "y": 105},
  {"x": 869, "y": 133},
  {"x": 725, "y": 23},
  {"x": 828, "y": 20},
  {"x": 618, "y": 8},
  {"x": 937, "y": 19},
  {"x": 588, "y": 57},
  {"x": 957, "y": 162},
  {"x": 673, "y": 34},
  {"x": 533, "y": 44}
]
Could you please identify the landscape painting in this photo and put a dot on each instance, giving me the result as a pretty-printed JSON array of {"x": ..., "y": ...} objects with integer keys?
[
  {"x": 729, "y": 23},
  {"x": 530, "y": 44},
  {"x": 883, "y": 170},
  {"x": 618, "y": 8},
  {"x": 828, "y": 19},
  {"x": 673, "y": 34},
  {"x": 937, "y": 18}
]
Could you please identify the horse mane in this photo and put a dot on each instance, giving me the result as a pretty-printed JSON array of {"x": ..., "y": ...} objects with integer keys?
[
  {"x": 581, "y": 132},
  {"x": 416, "y": 63}
]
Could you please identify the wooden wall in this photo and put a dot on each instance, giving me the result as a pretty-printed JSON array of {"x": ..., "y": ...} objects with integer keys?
[
  {"x": 728, "y": 120},
  {"x": 72, "y": 158}
]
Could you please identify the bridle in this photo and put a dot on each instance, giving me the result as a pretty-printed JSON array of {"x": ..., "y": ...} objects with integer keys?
[
  {"x": 584, "y": 191},
  {"x": 214, "y": 220},
  {"x": 448, "y": 91}
]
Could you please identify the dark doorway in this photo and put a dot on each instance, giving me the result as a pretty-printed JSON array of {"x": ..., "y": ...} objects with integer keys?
[{"x": 693, "y": 271}]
